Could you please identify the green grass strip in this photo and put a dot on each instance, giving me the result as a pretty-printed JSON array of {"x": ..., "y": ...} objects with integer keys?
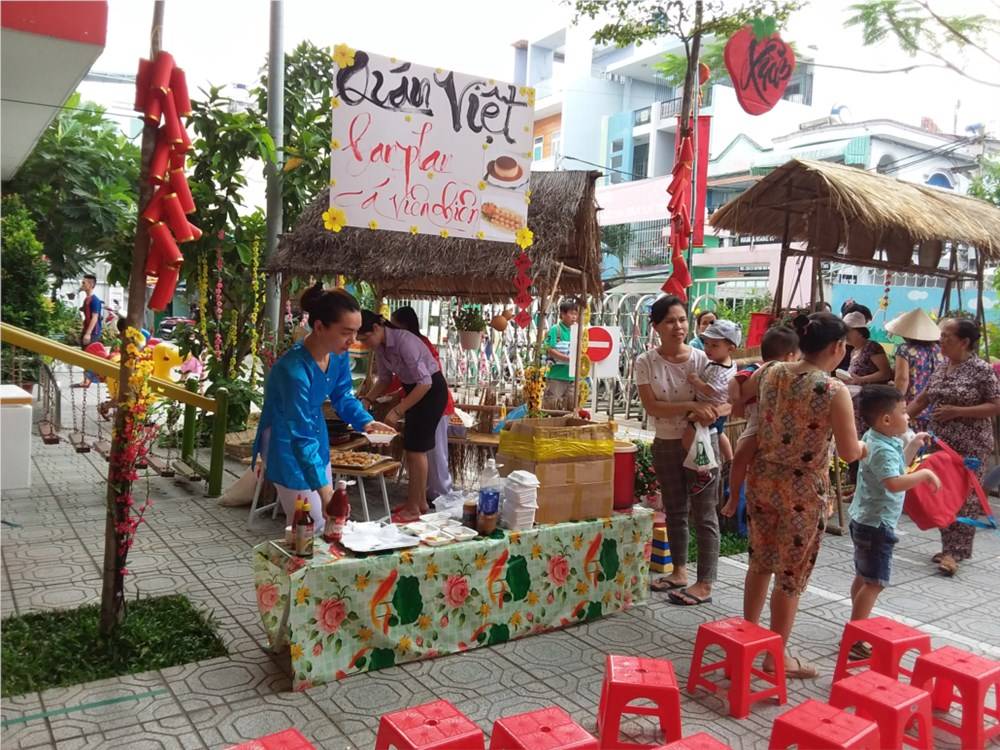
[{"x": 81, "y": 707}]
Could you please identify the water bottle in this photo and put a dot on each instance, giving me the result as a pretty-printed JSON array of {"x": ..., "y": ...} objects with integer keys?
[{"x": 489, "y": 489}]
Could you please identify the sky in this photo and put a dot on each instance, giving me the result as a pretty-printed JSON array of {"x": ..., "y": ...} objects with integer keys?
[{"x": 225, "y": 41}]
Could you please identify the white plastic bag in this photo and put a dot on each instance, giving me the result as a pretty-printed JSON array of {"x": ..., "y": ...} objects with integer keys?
[{"x": 701, "y": 456}]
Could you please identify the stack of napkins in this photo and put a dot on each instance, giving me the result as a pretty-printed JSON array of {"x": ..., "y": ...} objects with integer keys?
[{"x": 520, "y": 501}]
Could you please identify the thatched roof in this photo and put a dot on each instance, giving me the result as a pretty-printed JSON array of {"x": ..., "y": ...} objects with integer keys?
[
  {"x": 562, "y": 214},
  {"x": 829, "y": 204}
]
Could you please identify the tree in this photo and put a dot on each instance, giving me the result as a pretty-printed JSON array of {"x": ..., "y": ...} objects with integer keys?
[
  {"x": 618, "y": 239},
  {"x": 637, "y": 21},
  {"x": 917, "y": 28},
  {"x": 986, "y": 184},
  {"x": 79, "y": 184},
  {"x": 24, "y": 272}
]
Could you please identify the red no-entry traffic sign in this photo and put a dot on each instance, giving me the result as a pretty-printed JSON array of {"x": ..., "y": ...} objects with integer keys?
[{"x": 600, "y": 343}]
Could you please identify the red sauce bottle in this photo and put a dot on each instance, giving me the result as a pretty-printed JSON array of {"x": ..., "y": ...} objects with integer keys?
[{"x": 338, "y": 510}]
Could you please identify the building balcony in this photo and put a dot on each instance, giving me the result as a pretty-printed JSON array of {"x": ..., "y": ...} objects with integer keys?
[{"x": 672, "y": 107}]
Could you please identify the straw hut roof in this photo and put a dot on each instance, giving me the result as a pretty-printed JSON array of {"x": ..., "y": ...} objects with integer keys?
[
  {"x": 562, "y": 214},
  {"x": 833, "y": 199}
]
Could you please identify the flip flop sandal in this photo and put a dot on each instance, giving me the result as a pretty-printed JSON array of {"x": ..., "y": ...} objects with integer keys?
[
  {"x": 665, "y": 584},
  {"x": 802, "y": 670},
  {"x": 685, "y": 598}
]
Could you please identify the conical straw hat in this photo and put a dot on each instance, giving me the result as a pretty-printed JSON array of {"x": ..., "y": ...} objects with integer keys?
[{"x": 915, "y": 324}]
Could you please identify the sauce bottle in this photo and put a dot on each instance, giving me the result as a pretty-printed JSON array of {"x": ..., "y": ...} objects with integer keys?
[
  {"x": 305, "y": 530},
  {"x": 337, "y": 512}
]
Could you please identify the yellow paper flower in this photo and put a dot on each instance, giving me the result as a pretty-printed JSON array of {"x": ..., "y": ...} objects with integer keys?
[
  {"x": 531, "y": 97},
  {"x": 302, "y": 594},
  {"x": 430, "y": 175},
  {"x": 408, "y": 118},
  {"x": 333, "y": 182},
  {"x": 404, "y": 644},
  {"x": 343, "y": 56},
  {"x": 531, "y": 598},
  {"x": 334, "y": 144},
  {"x": 373, "y": 224},
  {"x": 444, "y": 232},
  {"x": 334, "y": 102},
  {"x": 524, "y": 238},
  {"x": 334, "y": 218},
  {"x": 361, "y": 581},
  {"x": 414, "y": 229},
  {"x": 527, "y": 200},
  {"x": 480, "y": 234},
  {"x": 527, "y": 129},
  {"x": 486, "y": 147},
  {"x": 296, "y": 651},
  {"x": 482, "y": 185},
  {"x": 431, "y": 571}
]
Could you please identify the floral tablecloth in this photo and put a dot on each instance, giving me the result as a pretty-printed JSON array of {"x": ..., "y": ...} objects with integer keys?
[{"x": 341, "y": 615}]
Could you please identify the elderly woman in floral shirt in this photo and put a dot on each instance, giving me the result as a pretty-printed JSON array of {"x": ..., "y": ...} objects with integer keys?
[{"x": 965, "y": 396}]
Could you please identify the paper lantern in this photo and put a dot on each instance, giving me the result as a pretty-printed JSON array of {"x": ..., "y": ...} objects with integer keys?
[
  {"x": 179, "y": 184},
  {"x": 163, "y": 66},
  {"x": 163, "y": 292},
  {"x": 142, "y": 84},
  {"x": 179, "y": 87}
]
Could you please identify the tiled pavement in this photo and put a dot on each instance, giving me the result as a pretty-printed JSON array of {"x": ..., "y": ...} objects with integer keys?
[{"x": 51, "y": 560}]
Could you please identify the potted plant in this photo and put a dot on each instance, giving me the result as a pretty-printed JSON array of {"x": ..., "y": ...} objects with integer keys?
[{"x": 470, "y": 323}]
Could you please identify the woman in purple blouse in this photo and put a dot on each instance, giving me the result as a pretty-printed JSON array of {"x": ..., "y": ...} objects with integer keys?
[{"x": 400, "y": 353}]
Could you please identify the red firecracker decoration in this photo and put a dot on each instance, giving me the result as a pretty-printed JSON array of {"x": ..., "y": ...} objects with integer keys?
[
  {"x": 680, "y": 220},
  {"x": 162, "y": 97},
  {"x": 522, "y": 282}
]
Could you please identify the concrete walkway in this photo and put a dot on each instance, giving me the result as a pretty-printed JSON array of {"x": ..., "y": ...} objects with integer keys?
[{"x": 51, "y": 560}]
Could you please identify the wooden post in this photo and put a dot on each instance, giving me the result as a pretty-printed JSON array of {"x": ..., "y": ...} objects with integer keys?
[
  {"x": 783, "y": 258},
  {"x": 113, "y": 584}
]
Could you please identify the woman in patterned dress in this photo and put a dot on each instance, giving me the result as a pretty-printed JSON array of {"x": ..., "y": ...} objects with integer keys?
[
  {"x": 799, "y": 408},
  {"x": 965, "y": 397},
  {"x": 917, "y": 358}
]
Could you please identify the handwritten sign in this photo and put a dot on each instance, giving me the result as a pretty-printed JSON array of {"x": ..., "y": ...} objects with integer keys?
[
  {"x": 760, "y": 64},
  {"x": 428, "y": 151}
]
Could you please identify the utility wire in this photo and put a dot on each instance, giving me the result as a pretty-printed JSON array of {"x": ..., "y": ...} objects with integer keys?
[
  {"x": 74, "y": 109},
  {"x": 604, "y": 166}
]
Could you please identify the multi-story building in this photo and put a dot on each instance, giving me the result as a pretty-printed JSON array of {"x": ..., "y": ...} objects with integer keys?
[{"x": 608, "y": 108}]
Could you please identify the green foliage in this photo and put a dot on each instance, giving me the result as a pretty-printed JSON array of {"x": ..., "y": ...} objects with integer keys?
[
  {"x": 729, "y": 544},
  {"x": 79, "y": 183},
  {"x": 65, "y": 324},
  {"x": 637, "y": 21},
  {"x": 673, "y": 67},
  {"x": 645, "y": 477},
  {"x": 618, "y": 239},
  {"x": 308, "y": 125},
  {"x": 64, "y": 647},
  {"x": 24, "y": 271},
  {"x": 470, "y": 318},
  {"x": 741, "y": 315},
  {"x": 917, "y": 28},
  {"x": 986, "y": 184}
]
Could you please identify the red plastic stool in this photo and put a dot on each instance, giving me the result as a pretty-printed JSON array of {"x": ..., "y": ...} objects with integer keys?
[
  {"x": 547, "y": 729},
  {"x": 290, "y": 739},
  {"x": 890, "y": 704},
  {"x": 889, "y": 640},
  {"x": 817, "y": 726},
  {"x": 952, "y": 669},
  {"x": 700, "y": 741},
  {"x": 743, "y": 642},
  {"x": 630, "y": 678},
  {"x": 433, "y": 726}
]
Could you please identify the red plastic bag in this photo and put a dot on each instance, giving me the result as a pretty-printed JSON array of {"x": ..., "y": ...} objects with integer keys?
[{"x": 936, "y": 510}]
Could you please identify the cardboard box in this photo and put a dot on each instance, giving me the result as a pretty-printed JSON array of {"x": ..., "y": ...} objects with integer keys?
[{"x": 573, "y": 460}]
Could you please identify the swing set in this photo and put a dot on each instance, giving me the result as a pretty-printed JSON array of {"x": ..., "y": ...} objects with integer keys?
[{"x": 183, "y": 433}]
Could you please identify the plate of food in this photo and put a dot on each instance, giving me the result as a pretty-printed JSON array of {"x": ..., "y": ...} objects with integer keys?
[
  {"x": 355, "y": 459},
  {"x": 380, "y": 438},
  {"x": 506, "y": 172}
]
